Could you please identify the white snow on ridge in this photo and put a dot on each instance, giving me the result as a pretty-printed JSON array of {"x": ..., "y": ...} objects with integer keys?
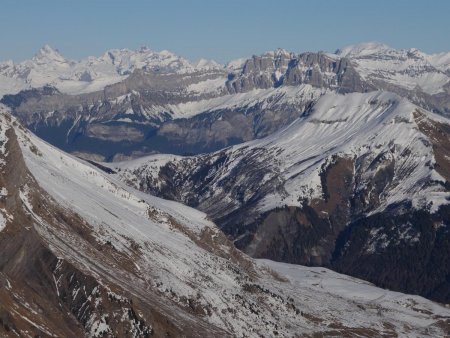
[
  {"x": 405, "y": 68},
  {"x": 207, "y": 64},
  {"x": 431, "y": 83},
  {"x": 207, "y": 86},
  {"x": 354, "y": 289},
  {"x": 80, "y": 178},
  {"x": 352, "y": 125},
  {"x": 265, "y": 97},
  {"x": 440, "y": 60},
  {"x": 236, "y": 64},
  {"x": 363, "y": 49},
  {"x": 119, "y": 214},
  {"x": 10, "y": 85},
  {"x": 2, "y": 222},
  {"x": 150, "y": 165},
  {"x": 49, "y": 67},
  {"x": 3, "y": 137}
]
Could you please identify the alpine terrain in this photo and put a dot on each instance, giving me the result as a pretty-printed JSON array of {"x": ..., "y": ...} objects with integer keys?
[
  {"x": 358, "y": 183},
  {"x": 284, "y": 194},
  {"x": 83, "y": 254},
  {"x": 126, "y": 104}
]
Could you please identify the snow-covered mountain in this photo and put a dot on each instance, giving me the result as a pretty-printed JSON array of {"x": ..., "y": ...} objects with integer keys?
[
  {"x": 49, "y": 67},
  {"x": 358, "y": 179},
  {"x": 163, "y": 103},
  {"x": 354, "y": 142},
  {"x": 441, "y": 61},
  {"x": 85, "y": 255},
  {"x": 334, "y": 159},
  {"x": 410, "y": 69}
]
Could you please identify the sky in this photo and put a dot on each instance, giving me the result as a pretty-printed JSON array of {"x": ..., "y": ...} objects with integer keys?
[{"x": 218, "y": 29}]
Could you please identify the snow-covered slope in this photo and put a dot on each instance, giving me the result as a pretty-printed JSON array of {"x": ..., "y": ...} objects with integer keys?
[
  {"x": 186, "y": 277},
  {"x": 298, "y": 194},
  {"x": 374, "y": 125},
  {"x": 440, "y": 61},
  {"x": 408, "y": 69}
]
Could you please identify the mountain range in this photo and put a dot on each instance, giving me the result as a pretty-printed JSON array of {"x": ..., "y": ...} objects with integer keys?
[
  {"x": 145, "y": 194},
  {"x": 162, "y": 103}
]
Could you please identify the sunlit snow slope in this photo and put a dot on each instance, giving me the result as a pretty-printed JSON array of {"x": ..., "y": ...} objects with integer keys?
[
  {"x": 359, "y": 182},
  {"x": 112, "y": 260}
]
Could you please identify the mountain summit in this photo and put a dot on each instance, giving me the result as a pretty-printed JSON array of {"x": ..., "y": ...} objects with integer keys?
[
  {"x": 363, "y": 49},
  {"x": 49, "y": 67},
  {"x": 49, "y": 54}
]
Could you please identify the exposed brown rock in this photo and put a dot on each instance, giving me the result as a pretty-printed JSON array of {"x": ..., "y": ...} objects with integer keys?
[
  {"x": 47, "y": 294},
  {"x": 287, "y": 234},
  {"x": 439, "y": 134}
]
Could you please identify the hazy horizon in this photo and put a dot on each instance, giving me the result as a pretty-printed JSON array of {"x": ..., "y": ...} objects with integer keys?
[{"x": 221, "y": 31}]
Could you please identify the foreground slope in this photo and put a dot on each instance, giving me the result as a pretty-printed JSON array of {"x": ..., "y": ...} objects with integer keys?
[
  {"x": 84, "y": 255},
  {"x": 360, "y": 182}
]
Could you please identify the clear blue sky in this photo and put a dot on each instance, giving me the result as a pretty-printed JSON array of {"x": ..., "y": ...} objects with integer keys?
[{"x": 220, "y": 30}]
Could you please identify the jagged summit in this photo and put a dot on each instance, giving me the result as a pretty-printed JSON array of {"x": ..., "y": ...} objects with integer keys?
[
  {"x": 46, "y": 49},
  {"x": 49, "y": 67},
  {"x": 374, "y": 59},
  {"x": 207, "y": 64},
  {"x": 48, "y": 53},
  {"x": 280, "y": 52}
]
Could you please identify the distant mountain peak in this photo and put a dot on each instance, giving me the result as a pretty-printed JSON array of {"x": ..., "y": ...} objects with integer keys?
[
  {"x": 144, "y": 49},
  {"x": 361, "y": 49},
  {"x": 47, "y": 48},
  {"x": 207, "y": 64},
  {"x": 279, "y": 52},
  {"x": 166, "y": 52},
  {"x": 47, "y": 52}
]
